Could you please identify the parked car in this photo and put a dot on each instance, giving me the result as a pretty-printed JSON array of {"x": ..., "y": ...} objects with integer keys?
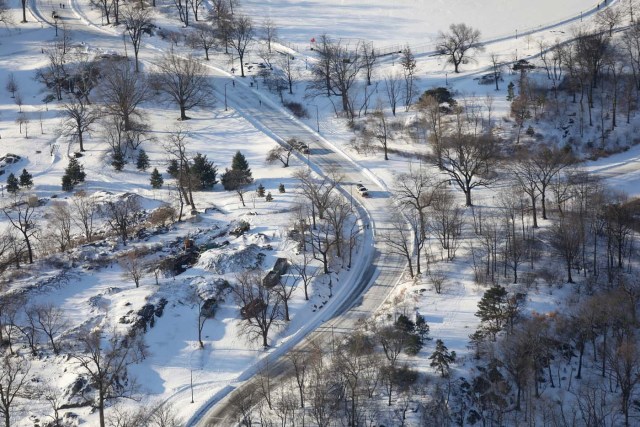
[
  {"x": 301, "y": 147},
  {"x": 362, "y": 190}
]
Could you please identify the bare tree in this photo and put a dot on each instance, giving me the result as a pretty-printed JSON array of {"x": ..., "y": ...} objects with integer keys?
[
  {"x": 79, "y": 119},
  {"x": 305, "y": 272},
  {"x": 548, "y": 163},
  {"x": 469, "y": 161},
  {"x": 84, "y": 212},
  {"x": 496, "y": 66},
  {"x": 138, "y": 22},
  {"x": 434, "y": 121},
  {"x": 285, "y": 289},
  {"x": 378, "y": 129},
  {"x": 123, "y": 90},
  {"x": 300, "y": 361},
  {"x": 10, "y": 308},
  {"x": 259, "y": 306},
  {"x": 12, "y": 85},
  {"x": 269, "y": 31},
  {"x": 409, "y": 68},
  {"x": 133, "y": 266},
  {"x": 447, "y": 222},
  {"x": 21, "y": 215},
  {"x": 399, "y": 240},
  {"x": 524, "y": 173},
  {"x": 106, "y": 362},
  {"x": 51, "y": 321},
  {"x": 240, "y": 37},
  {"x": 120, "y": 215},
  {"x": 369, "y": 58},
  {"x": 5, "y": 17},
  {"x": 176, "y": 147},
  {"x": 415, "y": 191},
  {"x": 609, "y": 18},
  {"x": 185, "y": 81},
  {"x": 14, "y": 373},
  {"x": 566, "y": 240},
  {"x": 337, "y": 72},
  {"x": 203, "y": 36},
  {"x": 459, "y": 43},
  {"x": 393, "y": 88},
  {"x": 319, "y": 191},
  {"x": 280, "y": 153},
  {"x": 60, "y": 224},
  {"x": 202, "y": 299},
  {"x": 288, "y": 72}
]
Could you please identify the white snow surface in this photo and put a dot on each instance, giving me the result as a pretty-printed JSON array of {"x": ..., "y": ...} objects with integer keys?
[{"x": 89, "y": 295}]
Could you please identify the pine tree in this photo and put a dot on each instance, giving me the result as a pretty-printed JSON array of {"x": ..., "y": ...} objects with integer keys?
[
  {"x": 441, "y": 358},
  {"x": 173, "y": 170},
  {"x": 67, "y": 185},
  {"x": 269, "y": 197},
  {"x": 142, "y": 161},
  {"x": 281, "y": 188},
  {"x": 156, "y": 179},
  {"x": 492, "y": 310},
  {"x": 73, "y": 175},
  {"x": 204, "y": 171},
  {"x": 117, "y": 160},
  {"x": 26, "y": 179},
  {"x": 239, "y": 163},
  {"x": 260, "y": 190},
  {"x": 511, "y": 92},
  {"x": 12, "y": 184}
]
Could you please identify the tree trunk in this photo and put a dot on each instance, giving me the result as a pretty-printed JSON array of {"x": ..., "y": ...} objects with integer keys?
[
  {"x": 467, "y": 194},
  {"x": 101, "y": 407},
  {"x": 80, "y": 140},
  {"x": 534, "y": 212},
  {"x": 183, "y": 113},
  {"x": 29, "y": 249}
]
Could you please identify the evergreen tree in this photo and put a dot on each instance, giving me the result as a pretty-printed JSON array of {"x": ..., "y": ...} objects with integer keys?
[
  {"x": 67, "y": 185},
  {"x": 441, "y": 358},
  {"x": 493, "y": 310},
  {"x": 142, "y": 161},
  {"x": 117, "y": 160},
  {"x": 239, "y": 163},
  {"x": 511, "y": 92},
  {"x": 260, "y": 190},
  {"x": 281, "y": 188},
  {"x": 173, "y": 170},
  {"x": 156, "y": 179},
  {"x": 26, "y": 179},
  {"x": 12, "y": 184},
  {"x": 269, "y": 197},
  {"x": 204, "y": 171},
  {"x": 73, "y": 175}
]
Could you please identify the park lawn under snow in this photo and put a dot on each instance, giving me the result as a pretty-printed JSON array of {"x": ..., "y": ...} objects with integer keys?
[{"x": 173, "y": 340}]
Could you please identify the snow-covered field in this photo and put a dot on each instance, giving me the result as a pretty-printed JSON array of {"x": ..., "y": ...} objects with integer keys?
[{"x": 414, "y": 22}]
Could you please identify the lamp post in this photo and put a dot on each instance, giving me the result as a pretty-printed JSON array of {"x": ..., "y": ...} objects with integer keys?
[{"x": 225, "y": 96}]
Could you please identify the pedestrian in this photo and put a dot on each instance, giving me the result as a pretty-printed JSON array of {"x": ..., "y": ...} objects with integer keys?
[
  {"x": 233, "y": 82},
  {"x": 260, "y": 100}
]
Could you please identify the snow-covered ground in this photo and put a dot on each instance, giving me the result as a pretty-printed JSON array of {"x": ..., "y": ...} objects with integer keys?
[
  {"x": 219, "y": 133},
  {"x": 413, "y": 22}
]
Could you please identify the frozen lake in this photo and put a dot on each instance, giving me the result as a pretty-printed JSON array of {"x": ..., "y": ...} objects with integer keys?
[{"x": 415, "y": 21}]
